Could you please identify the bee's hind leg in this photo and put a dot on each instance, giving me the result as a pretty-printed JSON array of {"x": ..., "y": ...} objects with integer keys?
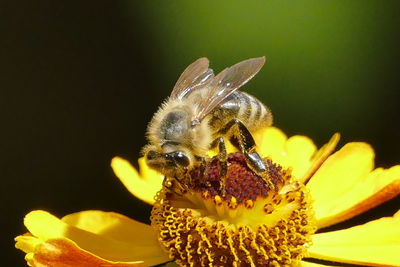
[
  {"x": 245, "y": 142},
  {"x": 223, "y": 162}
]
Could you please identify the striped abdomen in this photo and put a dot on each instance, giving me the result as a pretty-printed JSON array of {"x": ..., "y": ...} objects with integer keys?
[{"x": 244, "y": 107}]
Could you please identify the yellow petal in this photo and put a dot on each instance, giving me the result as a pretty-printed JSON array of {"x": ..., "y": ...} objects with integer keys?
[
  {"x": 299, "y": 150},
  {"x": 311, "y": 264},
  {"x": 62, "y": 252},
  {"x": 101, "y": 242},
  {"x": 27, "y": 243},
  {"x": 271, "y": 143},
  {"x": 149, "y": 175},
  {"x": 320, "y": 156},
  {"x": 139, "y": 187},
  {"x": 113, "y": 225},
  {"x": 371, "y": 244},
  {"x": 338, "y": 175},
  {"x": 379, "y": 186}
]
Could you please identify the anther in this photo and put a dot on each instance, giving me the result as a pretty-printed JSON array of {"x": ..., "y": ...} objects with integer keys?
[
  {"x": 249, "y": 204},
  {"x": 217, "y": 200}
]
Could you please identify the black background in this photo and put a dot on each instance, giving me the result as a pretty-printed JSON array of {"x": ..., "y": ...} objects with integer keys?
[{"x": 78, "y": 85}]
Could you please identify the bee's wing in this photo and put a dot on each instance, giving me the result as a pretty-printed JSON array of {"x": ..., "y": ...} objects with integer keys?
[
  {"x": 226, "y": 82},
  {"x": 196, "y": 75}
]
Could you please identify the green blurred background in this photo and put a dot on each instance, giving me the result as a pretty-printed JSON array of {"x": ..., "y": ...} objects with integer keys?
[{"x": 80, "y": 81}]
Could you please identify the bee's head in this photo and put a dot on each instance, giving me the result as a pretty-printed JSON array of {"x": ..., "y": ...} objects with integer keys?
[{"x": 166, "y": 163}]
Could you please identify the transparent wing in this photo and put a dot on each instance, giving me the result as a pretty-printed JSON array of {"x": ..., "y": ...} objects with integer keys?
[
  {"x": 196, "y": 75},
  {"x": 226, "y": 82}
]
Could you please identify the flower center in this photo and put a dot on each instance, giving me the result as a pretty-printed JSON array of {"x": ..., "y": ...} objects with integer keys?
[{"x": 252, "y": 224}]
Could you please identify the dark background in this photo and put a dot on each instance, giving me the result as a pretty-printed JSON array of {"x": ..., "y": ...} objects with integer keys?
[{"x": 80, "y": 80}]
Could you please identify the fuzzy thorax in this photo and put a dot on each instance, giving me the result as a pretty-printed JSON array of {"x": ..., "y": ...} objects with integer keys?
[
  {"x": 171, "y": 128},
  {"x": 250, "y": 225}
]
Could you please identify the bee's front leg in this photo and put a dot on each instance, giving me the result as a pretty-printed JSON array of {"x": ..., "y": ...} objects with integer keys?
[
  {"x": 168, "y": 184},
  {"x": 223, "y": 161}
]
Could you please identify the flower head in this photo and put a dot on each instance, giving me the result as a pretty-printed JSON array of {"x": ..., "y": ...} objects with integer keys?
[{"x": 252, "y": 223}]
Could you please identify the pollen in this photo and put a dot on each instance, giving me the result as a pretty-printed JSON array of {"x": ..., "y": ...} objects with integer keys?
[{"x": 256, "y": 222}]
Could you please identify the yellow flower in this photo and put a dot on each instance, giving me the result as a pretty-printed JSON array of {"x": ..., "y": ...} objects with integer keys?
[{"x": 277, "y": 228}]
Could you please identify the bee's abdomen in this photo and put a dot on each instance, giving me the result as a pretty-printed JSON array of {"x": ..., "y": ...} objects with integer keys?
[
  {"x": 244, "y": 107},
  {"x": 252, "y": 112}
]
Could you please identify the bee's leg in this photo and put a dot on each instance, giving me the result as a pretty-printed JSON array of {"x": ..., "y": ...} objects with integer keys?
[
  {"x": 202, "y": 165},
  {"x": 223, "y": 161},
  {"x": 247, "y": 146},
  {"x": 168, "y": 184}
]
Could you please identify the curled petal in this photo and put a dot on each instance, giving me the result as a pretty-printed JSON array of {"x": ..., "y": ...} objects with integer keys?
[
  {"x": 102, "y": 239},
  {"x": 62, "y": 252},
  {"x": 379, "y": 186},
  {"x": 376, "y": 243},
  {"x": 320, "y": 156},
  {"x": 114, "y": 226},
  {"x": 143, "y": 186},
  {"x": 344, "y": 186}
]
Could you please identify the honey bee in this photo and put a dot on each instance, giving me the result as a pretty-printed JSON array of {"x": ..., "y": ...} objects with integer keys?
[{"x": 202, "y": 112}]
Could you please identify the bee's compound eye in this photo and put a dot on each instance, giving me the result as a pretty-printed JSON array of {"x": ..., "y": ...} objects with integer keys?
[
  {"x": 151, "y": 155},
  {"x": 181, "y": 159}
]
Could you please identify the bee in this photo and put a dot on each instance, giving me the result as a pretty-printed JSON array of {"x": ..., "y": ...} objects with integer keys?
[{"x": 203, "y": 112}]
